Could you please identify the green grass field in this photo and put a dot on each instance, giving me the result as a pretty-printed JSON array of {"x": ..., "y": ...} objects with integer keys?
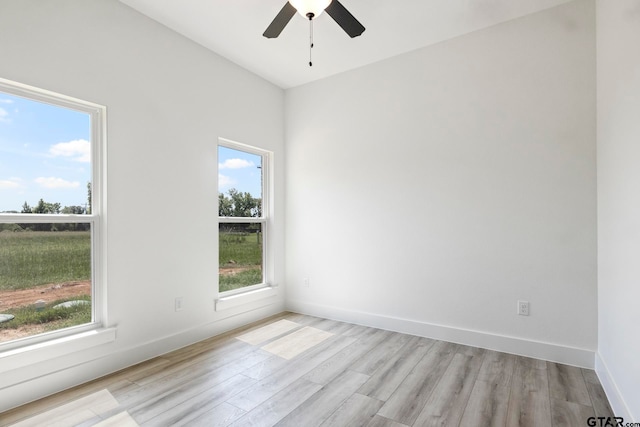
[
  {"x": 240, "y": 253},
  {"x": 32, "y": 258},
  {"x": 54, "y": 318}
]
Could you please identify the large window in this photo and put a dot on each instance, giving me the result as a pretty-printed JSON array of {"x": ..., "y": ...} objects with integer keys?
[
  {"x": 50, "y": 205},
  {"x": 243, "y": 217}
]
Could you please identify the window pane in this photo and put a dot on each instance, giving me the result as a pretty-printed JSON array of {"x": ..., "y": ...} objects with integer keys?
[
  {"x": 239, "y": 183},
  {"x": 45, "y": 157},
  {"x": 45, "y": 278},
  {"x": 240, "y": 258}
]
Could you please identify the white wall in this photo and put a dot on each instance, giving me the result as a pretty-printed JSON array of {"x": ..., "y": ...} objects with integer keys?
[
  {"x": 619, "y": 204},
  {"x": 168, "y": 101},
  {"x": 429, "y": 192}
]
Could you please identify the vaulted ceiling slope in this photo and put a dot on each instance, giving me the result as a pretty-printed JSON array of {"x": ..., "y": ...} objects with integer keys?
[{"x": 233, "y": 29}]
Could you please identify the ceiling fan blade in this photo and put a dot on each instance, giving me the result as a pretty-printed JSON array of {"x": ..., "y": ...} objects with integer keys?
[
  {"x": 345, "y": 19},
  {"x": 280, "y": 21}
]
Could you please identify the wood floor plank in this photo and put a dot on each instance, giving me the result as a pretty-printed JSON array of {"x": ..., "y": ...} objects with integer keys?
[
  {"x": 176, "y": 373},
  {"x": 497, "y": 368},
  {"x": 370, "y": 362},
  {"x": 122, "y": 387},
  {"x": 136, "y": 373},
  {"x": 319, "y": 407},
  {"x": 599, "y": 400},
  {"x": 122, "y": 419},
  {"x": 567, "y": 383},
  {"x": 43, "y": 405},
  {"x": 448, "y": 400},
  {"x": 181, "y": 383},
  {"x": 357, "y": 331},
  {"x": 531, "y": 363},
  {"x": 268, "y": 332},
  {"x": 357, "y": 410},
  {"x": 569, "y": 414},
  {"x": 282, "y": 378},
  {"x": 489, "y": 400},
  {"x": 529, "y": 404},
  {"x": 297, "y": 342},
  {"x": 379, "y": 421},
  {"x": 406, "y": 403},
  {"x": 202, "y": 348},
  {"x": 171, "y": 405},
  {"x": 266, "y": 367},
  {"x": 179, "y": 411},
  {"x": 386, "y": 380},
  {"x": 335, "y": 365},
  {"x": 590, "y": 376},
  {"x": 74, "y": 412},
  {"x": 471, "y": 351},
  {"x": 334, "y": 326},
  {"x": 220, "y": 416},
  {"x": 91, "y": 422},
  {"x": 280, "y": 405},
  {"x": 302, "y": 319},
  {"x": 222, "y": 354},
  {"x": 487, "y": 405}
]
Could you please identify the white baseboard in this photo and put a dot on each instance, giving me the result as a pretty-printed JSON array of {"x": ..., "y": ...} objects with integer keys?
[
  {"x": 540, "y": 350},
  {"x": 618, "y": 404}
]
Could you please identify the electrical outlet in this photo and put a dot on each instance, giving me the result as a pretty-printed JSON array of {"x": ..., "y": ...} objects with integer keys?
[
  {"x": 523, "y": 308},
  {"x": 178, "y": 303},
  {"x": 305, "y": 282}
]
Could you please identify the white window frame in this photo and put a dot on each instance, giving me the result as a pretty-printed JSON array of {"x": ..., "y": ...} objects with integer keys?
[
  {"x": 96, "y": 218},
  {"x": 264, "y": 220}
]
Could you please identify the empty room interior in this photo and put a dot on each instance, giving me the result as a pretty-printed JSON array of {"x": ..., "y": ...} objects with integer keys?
[{"x": 457, "y": 183}]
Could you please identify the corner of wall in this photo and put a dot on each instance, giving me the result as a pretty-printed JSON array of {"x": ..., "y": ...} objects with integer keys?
[{"x": 617, "y": 402}]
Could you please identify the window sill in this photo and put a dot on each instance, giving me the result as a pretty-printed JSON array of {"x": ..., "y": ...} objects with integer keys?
[
  {"x": 47, "y": 350},
  {"x": 237, "y": 300}
]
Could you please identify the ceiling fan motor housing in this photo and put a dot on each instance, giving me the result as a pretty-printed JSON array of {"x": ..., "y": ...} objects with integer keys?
[{"x": 306, "y": 7}]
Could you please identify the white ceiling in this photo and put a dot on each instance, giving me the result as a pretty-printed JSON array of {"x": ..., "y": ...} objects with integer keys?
[{"x": 233, "y": 29}]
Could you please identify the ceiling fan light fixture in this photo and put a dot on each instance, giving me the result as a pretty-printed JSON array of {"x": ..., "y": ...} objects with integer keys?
[{"x": 305, "y": 7}]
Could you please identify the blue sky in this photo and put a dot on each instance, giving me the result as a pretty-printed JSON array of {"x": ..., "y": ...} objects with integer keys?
[
  {"x": 44, "y": 153},
  {"x": 240, "y": 170}
]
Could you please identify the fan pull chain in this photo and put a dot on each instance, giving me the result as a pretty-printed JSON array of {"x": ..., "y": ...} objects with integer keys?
[{"x": 310, "y": 39}]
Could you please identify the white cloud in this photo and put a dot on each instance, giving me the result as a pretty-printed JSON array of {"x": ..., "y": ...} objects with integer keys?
[
  {"x": 52, "y": 182},
  {"x": 225, "y": 181},
  {"x": 10, "y": 183},
  {"x": 6, "y": 101},
  {"x": 4, "y": 116},
  {"x": 235, "y": 164},
  {"x": 78, "y": 150}
]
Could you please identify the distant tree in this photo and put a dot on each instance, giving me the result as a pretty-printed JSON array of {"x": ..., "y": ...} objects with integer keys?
[
  {"x": 88, "y": 198},
  {"x": 73, "y": 210},
  {"x": 26, "y": 208},
  {"x": 225, "y": 205},
  {"x": 239, "y": 204},
  {"x": 46, "y": 208}
]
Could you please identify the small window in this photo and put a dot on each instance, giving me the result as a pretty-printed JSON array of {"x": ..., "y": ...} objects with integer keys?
[
  {"x": 242, "y": 217},
  {"x": 49, "y": 214}
]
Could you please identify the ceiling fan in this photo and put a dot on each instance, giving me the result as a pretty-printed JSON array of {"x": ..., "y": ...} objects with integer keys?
[{"x": 311, "y": 9}]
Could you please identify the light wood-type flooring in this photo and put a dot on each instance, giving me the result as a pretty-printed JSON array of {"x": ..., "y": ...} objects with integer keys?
[{"x": 303, "y": 371}]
